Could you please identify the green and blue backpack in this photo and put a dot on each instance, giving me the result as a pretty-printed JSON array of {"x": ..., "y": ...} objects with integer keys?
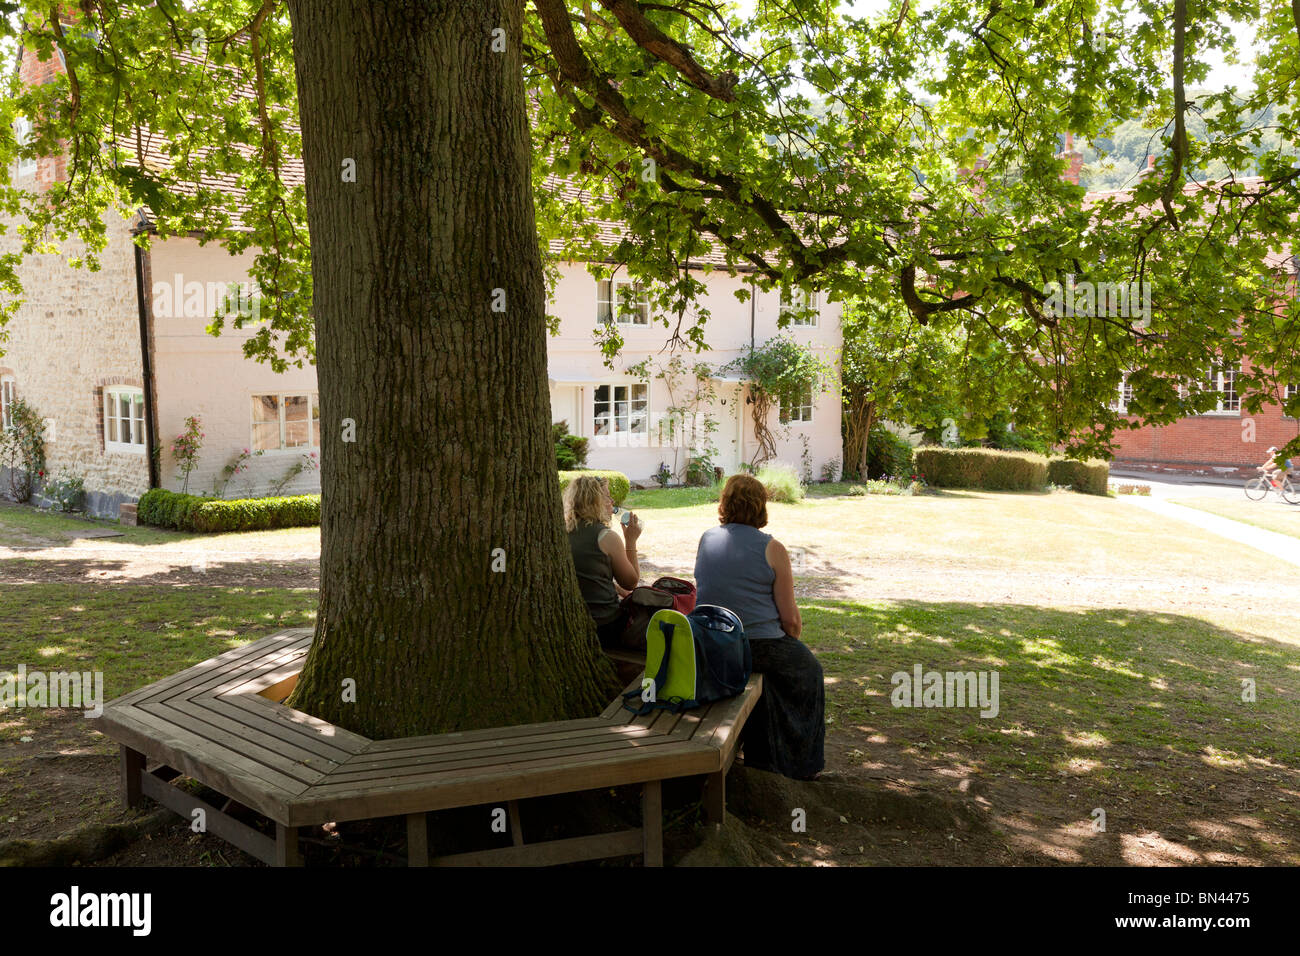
[{"x": 694, "y": 658}]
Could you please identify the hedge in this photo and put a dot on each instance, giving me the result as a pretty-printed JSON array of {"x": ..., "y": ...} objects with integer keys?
[
  {"x": 981, "y": 468},
  {"x": 167, "y": 509},
  {"x": 619, "y": 485},
  {"x": 1090, "y": 477}
]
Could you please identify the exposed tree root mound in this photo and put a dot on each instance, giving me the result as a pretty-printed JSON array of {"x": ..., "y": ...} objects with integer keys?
[{"x": 86, "y": 845}]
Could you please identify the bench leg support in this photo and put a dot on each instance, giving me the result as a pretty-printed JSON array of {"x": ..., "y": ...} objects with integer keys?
[
  {"x": 417, "y": 839},
  {"x": 286, "y": 846},
  {"x": 516, "y": 831},
  {"x": 132, "y": 767},
  {"x": 715, "y": 797},
  {"x": 652, "y": 823}
]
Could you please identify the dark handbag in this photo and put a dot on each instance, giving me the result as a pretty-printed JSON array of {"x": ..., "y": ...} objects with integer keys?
[{"x": 641, "y": 605}]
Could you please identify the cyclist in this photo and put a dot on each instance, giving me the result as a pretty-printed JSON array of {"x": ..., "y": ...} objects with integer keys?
[{"x": 1273, "y": 468}]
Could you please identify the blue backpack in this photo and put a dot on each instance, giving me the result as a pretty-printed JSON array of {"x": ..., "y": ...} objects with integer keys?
[{"x": 695, "y": 659}]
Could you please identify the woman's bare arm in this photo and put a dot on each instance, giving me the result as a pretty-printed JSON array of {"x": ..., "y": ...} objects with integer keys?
[
  {"x": 627, "y": 571},
  {"x": 783, "y": 588}
]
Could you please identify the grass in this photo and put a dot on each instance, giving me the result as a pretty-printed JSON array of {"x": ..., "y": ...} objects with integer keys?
[
  {"x": 1272, "y": 514},
  {"x": 1101, "y": 687},
  {"x": 135, "y": 635},
  {"x": 1141, "y": 700},
  {"x": 848, "y": 540}
]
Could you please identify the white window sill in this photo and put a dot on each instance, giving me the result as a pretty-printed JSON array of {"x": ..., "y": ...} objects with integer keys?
[{"x": 118, "y": 448}]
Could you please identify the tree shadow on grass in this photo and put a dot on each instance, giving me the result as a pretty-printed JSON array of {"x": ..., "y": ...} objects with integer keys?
[{"x": 1137, "y": 714}]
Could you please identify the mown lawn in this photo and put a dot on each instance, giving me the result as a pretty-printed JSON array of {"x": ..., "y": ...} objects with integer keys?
[{"x": 1272, "y": 514}]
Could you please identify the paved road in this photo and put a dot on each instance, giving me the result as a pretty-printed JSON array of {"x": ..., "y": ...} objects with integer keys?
[{"x": 1166, "y": 486}]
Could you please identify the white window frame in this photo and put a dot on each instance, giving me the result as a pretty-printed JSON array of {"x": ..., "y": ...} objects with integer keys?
[
  {"x": 1288, "y": 392},
  {"x": 798, "y": 414},
  {"x": 796, "y": 303},
  {"x": 8, "y": 392},
  {"x": 609, "y": 302},
  {"x": 1123, "y": 396},
  {"x": 23, "y": 136},
  {"x": 1215, "y": 380},
  {"x": 111, "y": 396},
  {"x": 313, "y": 416},
  {"x": 616, "y": 434}
]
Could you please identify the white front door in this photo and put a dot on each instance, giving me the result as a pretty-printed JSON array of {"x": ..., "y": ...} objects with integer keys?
[{"x": 727, "y": 409}]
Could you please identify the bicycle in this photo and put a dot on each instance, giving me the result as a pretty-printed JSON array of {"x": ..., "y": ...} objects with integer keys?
[{"x": 1258, "y": 488}]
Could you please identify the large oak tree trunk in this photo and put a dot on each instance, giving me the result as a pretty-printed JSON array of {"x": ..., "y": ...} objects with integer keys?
[{"x": 451, "y": 458}]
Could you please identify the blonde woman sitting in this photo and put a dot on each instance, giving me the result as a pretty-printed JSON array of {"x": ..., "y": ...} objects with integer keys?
[{"x": 607, "y": 565}]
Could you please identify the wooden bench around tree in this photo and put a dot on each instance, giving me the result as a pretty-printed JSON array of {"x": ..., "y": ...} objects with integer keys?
[{"x": 221, "y": 723}]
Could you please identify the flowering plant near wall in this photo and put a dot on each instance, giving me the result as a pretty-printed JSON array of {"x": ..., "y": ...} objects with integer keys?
[
  {"x": 22, "y": 450},
  {"x": 236, "y": 467},
  {"x": 66, "y": 490},
  {"x": 185, "y": 449},
  {"x": 307, "y": 462}
]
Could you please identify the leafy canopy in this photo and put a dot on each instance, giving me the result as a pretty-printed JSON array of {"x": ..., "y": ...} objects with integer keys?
[{"x": 813, "y": 148}]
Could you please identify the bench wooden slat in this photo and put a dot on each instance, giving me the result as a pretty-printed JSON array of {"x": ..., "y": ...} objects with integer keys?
[
  {"x": 255, "y": 844},
  {"x": 311, "y": 733},
  {"x": 457, "y": 750},
  {"x": 720, "y": 725},
  {"x": 202, "y": 680},
  {"x": 249, "y": 782},
  {"x": 599, "y": 846},
  {"x": 273, "y": 662},
  {"x": 222, "y": 661},
  {"x": 454, "y": 765},
  {"x": 242, "y": 738},
  {"x": 665, "y": 760},
  {"x": 488, "y": 733}
]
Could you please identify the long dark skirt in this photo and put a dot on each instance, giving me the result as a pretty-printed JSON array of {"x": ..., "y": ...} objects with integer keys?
[{"x": 786, "y": 733}]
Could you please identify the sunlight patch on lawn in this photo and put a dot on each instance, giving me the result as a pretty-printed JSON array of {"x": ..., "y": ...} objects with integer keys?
[
  {"x": 1046, "y": 652},
  {"x": 1079, "y": 765},
  {"x": 1222, "y": 758},
  {"x": 1087, "y": 738},
  {"x": 1115, "y": 667}
]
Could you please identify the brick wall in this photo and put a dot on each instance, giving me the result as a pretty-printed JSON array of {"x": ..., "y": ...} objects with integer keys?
[{"x": 1207, "y": 444}]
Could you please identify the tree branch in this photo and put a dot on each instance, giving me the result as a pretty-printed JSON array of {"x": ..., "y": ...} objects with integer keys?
[{"x": 654, "y": 41}]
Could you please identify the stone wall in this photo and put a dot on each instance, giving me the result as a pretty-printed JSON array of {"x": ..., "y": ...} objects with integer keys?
[{"x": 77, "y": 333}]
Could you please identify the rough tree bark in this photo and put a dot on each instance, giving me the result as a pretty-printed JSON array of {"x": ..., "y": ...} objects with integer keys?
[
  {"x": 857, "y": 429},
  {"x": 451, "y": 458}
]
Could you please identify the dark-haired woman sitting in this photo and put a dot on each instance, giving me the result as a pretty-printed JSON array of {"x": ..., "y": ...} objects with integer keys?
[{"x": 741, "y": 568}]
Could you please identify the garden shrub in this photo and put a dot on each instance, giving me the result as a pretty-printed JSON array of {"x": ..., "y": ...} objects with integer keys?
[
  {"x": 887, "y": 455},
  {"x": 1089, "y": 477},
  {"x": 782, "y": 482},
  {"x": 982, "y": 468},
  {"x": 167, "y": 509},
  {"x": 570, "y": 450},
  {"x": 619, "y": 485}
]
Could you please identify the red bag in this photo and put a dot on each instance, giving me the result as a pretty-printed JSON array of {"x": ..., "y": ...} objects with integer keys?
[{"x": 683, "y": 593}]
